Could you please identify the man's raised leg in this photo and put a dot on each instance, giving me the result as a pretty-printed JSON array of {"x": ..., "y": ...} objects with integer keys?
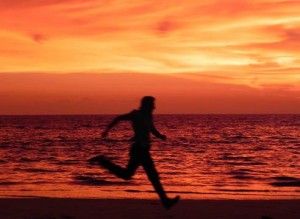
[{"x": 124, "y": 173}]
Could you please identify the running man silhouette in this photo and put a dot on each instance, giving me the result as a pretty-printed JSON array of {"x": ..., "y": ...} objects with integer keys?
[{"x": 142, "y": 124}]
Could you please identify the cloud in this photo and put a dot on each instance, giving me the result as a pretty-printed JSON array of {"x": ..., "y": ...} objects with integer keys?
[
  {"x": 39, "y": 38},
  {"x": 248, "y": 41},
  {"x": 23, "y": 4}
]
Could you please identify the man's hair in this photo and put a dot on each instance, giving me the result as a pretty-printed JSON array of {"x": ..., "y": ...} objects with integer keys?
[{"x": 147, "y": 101}]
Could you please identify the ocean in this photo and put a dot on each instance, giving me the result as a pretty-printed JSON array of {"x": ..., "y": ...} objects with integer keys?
[{"x": 204, "y": 157}]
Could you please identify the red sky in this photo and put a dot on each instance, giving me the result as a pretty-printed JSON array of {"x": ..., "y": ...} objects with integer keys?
[{"x": 215, "y": 56}]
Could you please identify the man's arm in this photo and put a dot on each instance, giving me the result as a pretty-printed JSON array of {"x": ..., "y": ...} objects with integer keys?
[
  {"x": 156, "y": 133},
  {"x": 115, "y": 122}
]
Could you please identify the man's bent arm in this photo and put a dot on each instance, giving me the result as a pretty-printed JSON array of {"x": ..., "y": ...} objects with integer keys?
[
  {"x": 156, "y": 133},
  {"x": 115, "y": 122}
]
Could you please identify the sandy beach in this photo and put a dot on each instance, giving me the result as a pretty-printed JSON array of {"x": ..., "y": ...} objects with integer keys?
[{"x": 61, "y": 208}]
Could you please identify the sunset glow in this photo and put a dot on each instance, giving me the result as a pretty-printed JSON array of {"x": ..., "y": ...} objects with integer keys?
[{"x": 230, "y": 42}]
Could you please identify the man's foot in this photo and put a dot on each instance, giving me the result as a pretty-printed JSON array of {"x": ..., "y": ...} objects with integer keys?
[
  {"x": 98, "y": 159},
  {"x": 170, "y": 202}
]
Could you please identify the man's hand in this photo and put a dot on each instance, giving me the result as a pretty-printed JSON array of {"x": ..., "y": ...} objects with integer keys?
[
  {"x": 163, "y": 137},
  {"x": 104, "y": 134}
]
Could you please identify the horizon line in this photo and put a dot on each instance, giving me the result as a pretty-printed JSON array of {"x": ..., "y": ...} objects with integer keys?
[{"x": 158, "y": 114}]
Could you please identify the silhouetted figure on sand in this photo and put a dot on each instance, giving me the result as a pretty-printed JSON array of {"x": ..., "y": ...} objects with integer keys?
[{"x": 142, "y": 124}]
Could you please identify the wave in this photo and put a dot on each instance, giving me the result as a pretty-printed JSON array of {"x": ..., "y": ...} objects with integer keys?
[
  {"x": 285, "y": 181},
  {"x": 92, "y": 181},
  {"x": 10, "y": 183},
  {"x": 39, "y": 170}
]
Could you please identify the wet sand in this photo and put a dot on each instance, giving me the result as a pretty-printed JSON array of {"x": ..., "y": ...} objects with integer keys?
[{"x": 60, "y": 208}]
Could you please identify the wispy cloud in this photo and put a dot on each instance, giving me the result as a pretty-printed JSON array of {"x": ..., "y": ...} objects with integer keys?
[
  {"x": 116, "y": 93},
  {"x": 250, "y": 42}
]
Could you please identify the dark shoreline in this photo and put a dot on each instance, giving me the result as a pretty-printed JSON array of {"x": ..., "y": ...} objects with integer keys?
[{"x": 69, "y": 208}]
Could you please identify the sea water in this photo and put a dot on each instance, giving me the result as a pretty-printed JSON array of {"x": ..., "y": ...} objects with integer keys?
[{"x": 204, "y": 157}]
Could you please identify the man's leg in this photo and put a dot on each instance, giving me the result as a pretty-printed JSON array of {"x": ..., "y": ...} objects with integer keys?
[
  {"x": 124, "y": 173},
  {"x": 153, "y": 176}
]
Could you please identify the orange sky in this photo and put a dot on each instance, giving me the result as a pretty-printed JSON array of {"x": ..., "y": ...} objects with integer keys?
[{"x": 221, "y": 45}]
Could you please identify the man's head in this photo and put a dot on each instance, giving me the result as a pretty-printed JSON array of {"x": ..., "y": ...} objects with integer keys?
[{"x": 147, "y": 103}]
